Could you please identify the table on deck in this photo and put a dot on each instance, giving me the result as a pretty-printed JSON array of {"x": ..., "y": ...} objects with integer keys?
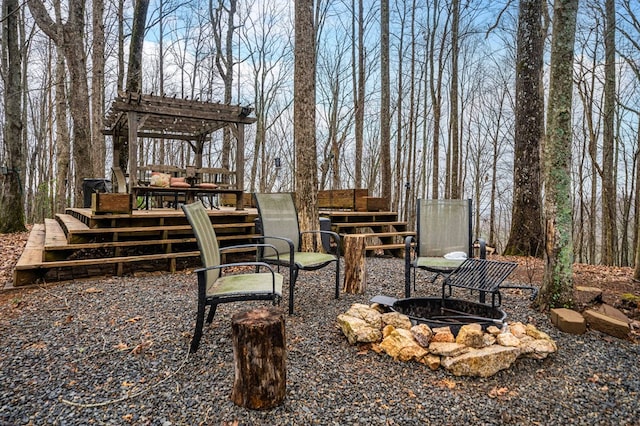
[{"x": 189, "y": 193}]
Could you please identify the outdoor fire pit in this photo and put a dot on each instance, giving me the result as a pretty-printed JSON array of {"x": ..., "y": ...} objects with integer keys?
[{"x": 444, "y": 312}]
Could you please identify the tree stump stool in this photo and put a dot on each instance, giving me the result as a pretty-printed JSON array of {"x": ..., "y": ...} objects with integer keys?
[
  {"x": 259, "y": 358},
  {"x": 355, "y": 273}
]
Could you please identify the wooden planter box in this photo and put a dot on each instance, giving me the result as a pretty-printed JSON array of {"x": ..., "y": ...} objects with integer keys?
[{"x": 104, "y": 202}]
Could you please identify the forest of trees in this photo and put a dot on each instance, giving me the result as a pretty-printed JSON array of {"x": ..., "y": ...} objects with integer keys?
[{"x": 437, "y": 98}]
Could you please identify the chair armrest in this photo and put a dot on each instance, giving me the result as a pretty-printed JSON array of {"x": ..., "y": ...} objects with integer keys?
[
  {"x": 235, "y": 264},
  {"x": 223, "y": 249},
  {"x": 334, "y": 235}
]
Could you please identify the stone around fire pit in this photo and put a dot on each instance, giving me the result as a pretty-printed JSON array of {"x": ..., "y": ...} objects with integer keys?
[{"x": 473, "y": 352}]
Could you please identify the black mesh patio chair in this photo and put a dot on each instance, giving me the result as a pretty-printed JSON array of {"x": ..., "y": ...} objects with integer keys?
[
  {"x": 443, "y": 239},
  {"x": 214, "y": 287},
  {"x": 279, "y": 226}
]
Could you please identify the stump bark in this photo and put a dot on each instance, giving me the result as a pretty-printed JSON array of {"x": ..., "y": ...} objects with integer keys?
[
  {"x": 259, "y": 357},
  {"x": 355, "y": 276}
]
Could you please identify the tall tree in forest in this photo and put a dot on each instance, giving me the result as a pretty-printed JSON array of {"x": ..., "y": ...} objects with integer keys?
[
  {"x": 608, "y": 172},
  {"x": 134, "y": 71},
  {"x": 304, "y": 120},
  {"x": 385, "y": 100},
  {"x": 224, "y": 60},
  {"x": 557, "y": 283},
  {"x": 454, "y": 163},
  {"x": 526, "y": 237},
  {"x": 70, "y": 37},
  {"x": 358, "y": 86},
  {"x": 97, "y": 87},
  {"x": 12, "y": 178},
  {"x": 63, "y": 142}
]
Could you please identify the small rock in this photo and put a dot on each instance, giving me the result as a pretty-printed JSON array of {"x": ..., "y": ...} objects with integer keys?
[{"x": 422, "y": 333}]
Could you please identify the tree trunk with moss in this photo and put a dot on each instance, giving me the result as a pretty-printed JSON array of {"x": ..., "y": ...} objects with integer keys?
[
  {"x": 557, "y": 285},
  {"x": 11, "y": 184}
]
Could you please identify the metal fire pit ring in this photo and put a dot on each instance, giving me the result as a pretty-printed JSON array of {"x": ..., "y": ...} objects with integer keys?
[{"x": 444, "y": 312}]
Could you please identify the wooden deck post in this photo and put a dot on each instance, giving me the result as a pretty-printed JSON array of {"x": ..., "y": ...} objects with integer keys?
[
  {"x": 355, "y": 273},
  {"x": 259, "y": 357}
]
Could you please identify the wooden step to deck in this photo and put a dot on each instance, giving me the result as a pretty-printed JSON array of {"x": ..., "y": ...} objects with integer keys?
[{"x": 32, "y": 253}]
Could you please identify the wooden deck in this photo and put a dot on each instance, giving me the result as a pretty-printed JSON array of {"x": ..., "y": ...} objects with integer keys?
[{"x": 82, "y": 244}]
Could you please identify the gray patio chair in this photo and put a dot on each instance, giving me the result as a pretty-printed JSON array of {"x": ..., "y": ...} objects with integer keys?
[
  {"x": 279, "y": 226},
  {"x": 443, "y": 229},
  {"x": 213, "y": 287}
]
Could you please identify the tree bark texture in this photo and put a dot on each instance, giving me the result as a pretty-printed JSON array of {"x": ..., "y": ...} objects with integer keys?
[
  {"x": 557, "y": 285},
  {"x": 526, "y": 237},
  {"x": 12, "y": 186},
  {"x": 385, "y": 100},
  {"x": 304, "y": 126},
  {"x": 134, "y": 71},
  {"x": 259, "y": 358},
  {"x": 355, "y": 272},
  {"x": 69, "y": 36},
  {"x": 609, "y": 197},
  {"x": 97, "y": 88}
]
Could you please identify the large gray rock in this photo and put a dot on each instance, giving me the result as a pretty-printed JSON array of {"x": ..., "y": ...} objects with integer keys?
[{"x": 483, "y": 362}]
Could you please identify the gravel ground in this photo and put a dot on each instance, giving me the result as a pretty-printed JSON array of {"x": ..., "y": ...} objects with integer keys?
[{"x": 115, "y": 351}]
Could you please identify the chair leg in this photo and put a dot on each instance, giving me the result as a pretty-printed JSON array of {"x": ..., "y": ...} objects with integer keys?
[
  {"x": 212, "y": 312},
  {"x": 293, "y": 276},
  {"x": 337, "y": 279},
  {"x": 197, "y": 334}
]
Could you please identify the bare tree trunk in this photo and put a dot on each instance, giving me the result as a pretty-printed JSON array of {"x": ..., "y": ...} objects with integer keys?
[
  {"x": 224, "y": 63},
  {"x": 97, "y": 88},
  {"x": 120, "y": 46},
  {"x": 304, "y": 109},
  {"x": 557, "y": 285},
  {"x": 63, "y": 145},
  {"x": 453, "y": 177},
  {"x": 385, "y": 99},
  {"x": 526, "y": 236},
  {"x": 609, "y": 196},
  {"x": 359, "y": 83},
  {"x": 72, "y": 43},
  {"x": 134, "y": 71},
  {"x": 11, "y": 186}
]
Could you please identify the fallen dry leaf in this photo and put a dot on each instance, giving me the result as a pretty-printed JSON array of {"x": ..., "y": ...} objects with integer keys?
[
  {"x": 134, "y": 319},
  {"x": 121, "y": 346},
  {"x": 445, "y": 383},
  {"x": 497, "y": 392},
  {"x": 93, "y": 290}
]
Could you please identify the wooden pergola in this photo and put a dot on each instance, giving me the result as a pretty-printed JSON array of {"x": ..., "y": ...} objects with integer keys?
[{"x": 134, "y": 115}]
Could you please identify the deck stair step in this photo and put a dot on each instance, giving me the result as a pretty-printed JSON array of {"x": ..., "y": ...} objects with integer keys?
[{"x": 384, "y": 232}]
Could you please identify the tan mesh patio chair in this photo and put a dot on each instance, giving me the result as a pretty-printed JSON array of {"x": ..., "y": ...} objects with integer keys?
[
  {"x": 279, "y": 226},
  {"x": 443, "y": 239},
  {"x": 213, "y": 287}
]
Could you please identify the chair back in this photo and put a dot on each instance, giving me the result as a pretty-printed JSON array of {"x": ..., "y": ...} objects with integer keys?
[
  {"x": 444, "y": 226},
  {"x": 206, "y": 237},
  {"x": 279, "y": 218}
]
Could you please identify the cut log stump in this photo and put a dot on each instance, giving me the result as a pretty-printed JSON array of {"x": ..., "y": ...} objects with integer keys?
[
  {"x": 259, "y": 357},
  {"x": 355, "y": 273}
]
